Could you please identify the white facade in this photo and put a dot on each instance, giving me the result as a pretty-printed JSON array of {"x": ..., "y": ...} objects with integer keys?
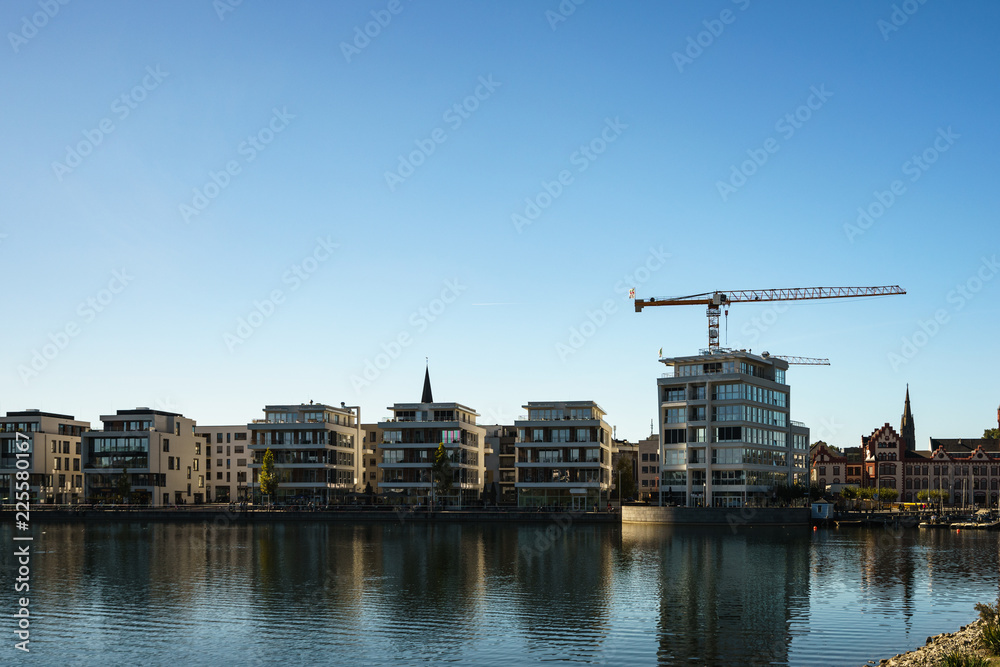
[
  {"x": 410, "y": 440},
  {"x": 563, "y": 455},
  {"x": 47, "y": 447},
  {"x": 316, "y": 448},
  {"x": 725, "y": 434},
  {"x": 156, "y": 449}
]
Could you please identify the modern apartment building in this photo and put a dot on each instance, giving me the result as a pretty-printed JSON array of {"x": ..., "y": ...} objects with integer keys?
[
  {"x": 371, "y": 436},
  {"x": 159, "y": 452},
  {"x": 725, "y": 434},
  {"x": 410, "y": 439},
  {"x": 47, "y": 446},
  {"x": 501, "y": 474},
  {"x": 317, "y": 451},
  {"x": 226, "y": 463},
  {"x": 649, "y": 468},
  {"x": 563, "y": 455}
]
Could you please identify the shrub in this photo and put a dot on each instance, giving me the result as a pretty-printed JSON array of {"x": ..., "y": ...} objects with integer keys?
[
  {"x": 990, "y": 637},
  {"x": 988, "y": 612},
  {"x": 957, "y": 659}
]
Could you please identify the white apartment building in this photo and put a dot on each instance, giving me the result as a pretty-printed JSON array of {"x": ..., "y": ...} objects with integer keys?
[
  {"x": 563, "y": 455},
  {"x": 317, "y": 451},
  {"x": 725, "y": 434},
  {"x": 157, "y": 450},
  {"x": 47, "y": 446},
  {"x": 410, "y": 439}
]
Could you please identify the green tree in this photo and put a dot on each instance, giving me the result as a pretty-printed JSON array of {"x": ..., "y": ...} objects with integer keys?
[
  {"x": 991, "y": 433},
  {"x": 441, "y": 471},
  {"x": 924, "y": 495},
  {"x": 124, "y": 490},
  {"x": 866, "y": 493},
  {"x": 849, "y": 492},
  {"x": 624, "y": 478},
  {"x": 887, "y": 494},
  {"x": 268, "y": 479}
]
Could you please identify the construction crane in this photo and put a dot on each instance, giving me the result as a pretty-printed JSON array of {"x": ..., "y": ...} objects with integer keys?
[
  {"x": 718, "y": 300},
  {"x": 800, "y": 361}
]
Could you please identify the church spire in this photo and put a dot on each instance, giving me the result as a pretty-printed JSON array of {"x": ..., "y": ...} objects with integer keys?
[
  {"x": 428, "y": 397},
  {"x": 906, "y": 425}
]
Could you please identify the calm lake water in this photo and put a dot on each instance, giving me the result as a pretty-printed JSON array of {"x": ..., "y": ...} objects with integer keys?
[{"x": 492, "y": 594}]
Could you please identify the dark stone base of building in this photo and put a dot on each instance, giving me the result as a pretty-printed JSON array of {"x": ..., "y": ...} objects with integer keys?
[
  {"x": 225, "y": 517},
  {"x": 725, "y": 516}
]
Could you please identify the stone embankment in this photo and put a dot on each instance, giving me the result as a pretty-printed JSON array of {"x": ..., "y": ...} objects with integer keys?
[{"x": 932, "y": 654}]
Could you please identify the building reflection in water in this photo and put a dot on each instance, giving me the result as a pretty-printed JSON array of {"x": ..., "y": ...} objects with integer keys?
[{"x": 725, "y": 598}]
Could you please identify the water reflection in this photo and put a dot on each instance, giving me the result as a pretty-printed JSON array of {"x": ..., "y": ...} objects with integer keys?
[
  {"x": 726, "y": 598},
  {"x": 496, "y": 594}
]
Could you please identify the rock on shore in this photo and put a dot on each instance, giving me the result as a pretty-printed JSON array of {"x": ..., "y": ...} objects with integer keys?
[{"x": 966, "y": 640}]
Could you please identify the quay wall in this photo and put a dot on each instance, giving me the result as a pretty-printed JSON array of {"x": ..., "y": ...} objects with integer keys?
[
  {"x": 224, "y": 517},
  {"x": 778, "y": 516}
]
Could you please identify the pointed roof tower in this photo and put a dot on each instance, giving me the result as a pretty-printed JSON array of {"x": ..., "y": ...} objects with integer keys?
[
  {"x": 906, "y": 425},
  {"x": 427, "y": 397}
]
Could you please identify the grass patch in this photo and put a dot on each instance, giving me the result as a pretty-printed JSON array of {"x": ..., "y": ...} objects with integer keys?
[
  {"x": 990, "y": 637},
  {"x": 958, "y": 659}
]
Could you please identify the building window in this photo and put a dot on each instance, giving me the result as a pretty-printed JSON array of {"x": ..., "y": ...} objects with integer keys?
[
  {"x": 218, "y": 438},
  {"x": 166, "y": 444},
  {"x": 674, "y": 436}
]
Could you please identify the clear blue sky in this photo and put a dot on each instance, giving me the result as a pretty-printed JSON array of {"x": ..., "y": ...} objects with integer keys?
[{"x": 309, "y": 118}]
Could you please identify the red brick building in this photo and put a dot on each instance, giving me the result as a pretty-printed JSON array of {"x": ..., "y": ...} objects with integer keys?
[{"x": 967, "y": 468}]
